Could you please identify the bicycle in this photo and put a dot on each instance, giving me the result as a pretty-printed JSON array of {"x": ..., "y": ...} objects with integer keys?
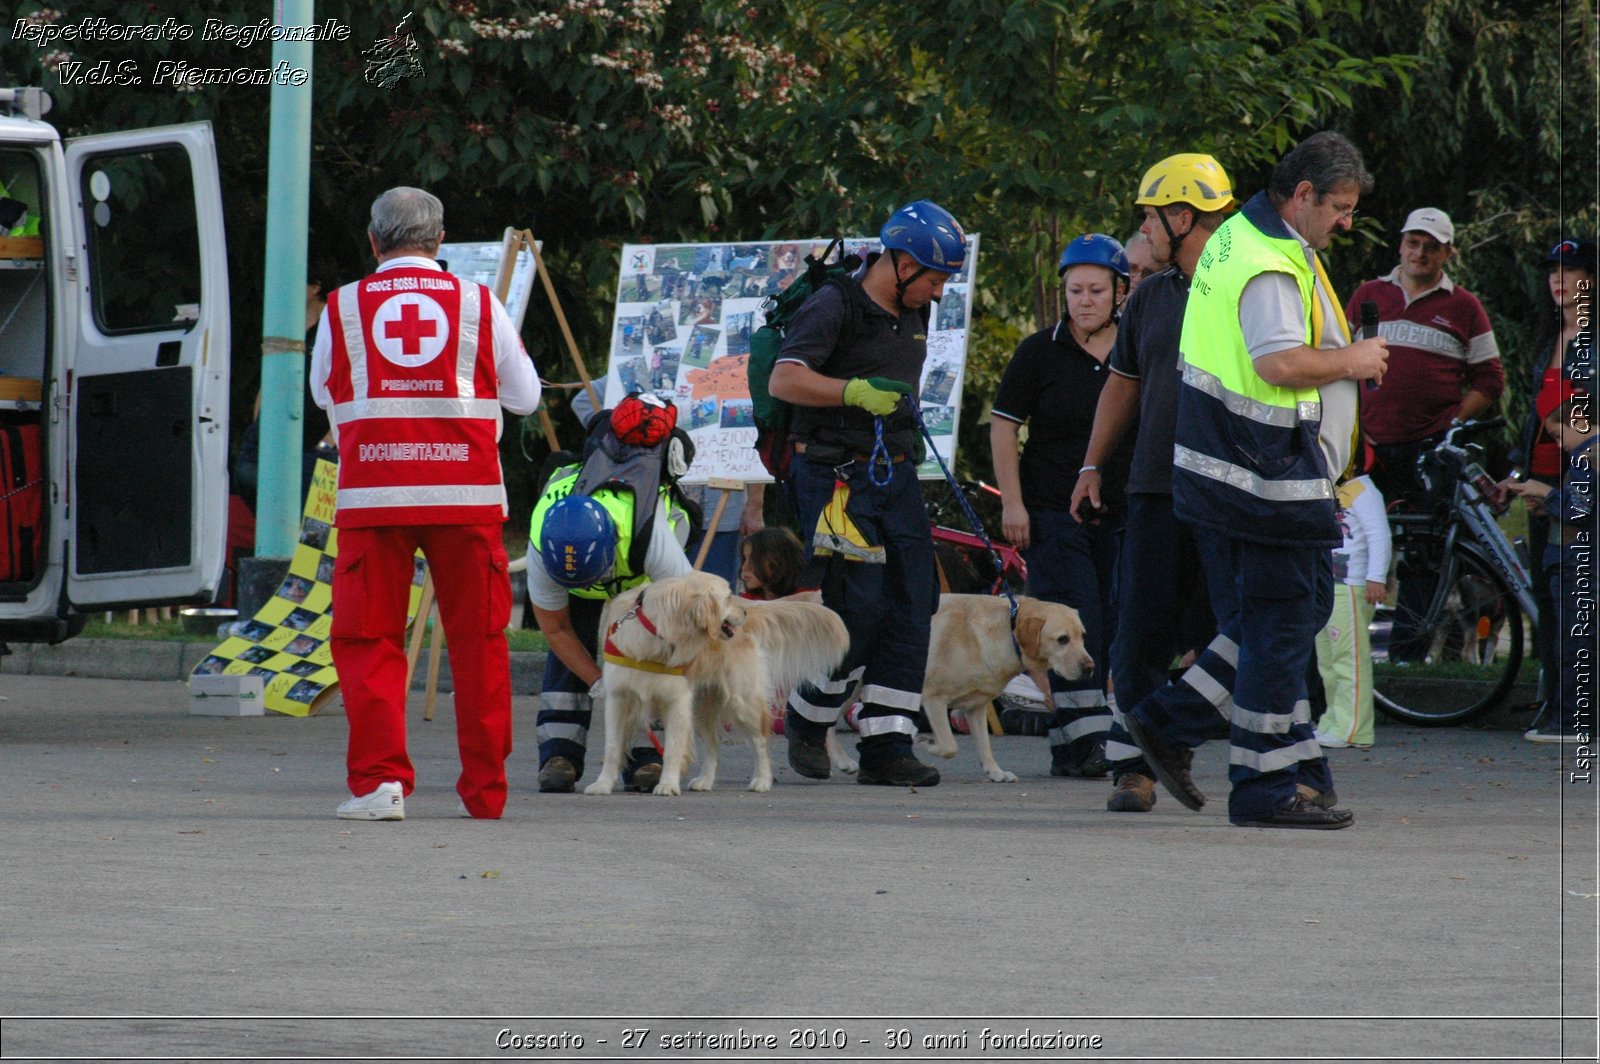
[
  {"x": 1449, "y": 639},
  {"x": 963, "y": 558}
]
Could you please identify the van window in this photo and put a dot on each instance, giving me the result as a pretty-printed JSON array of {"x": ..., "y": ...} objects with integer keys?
[{"x": 144, "y": 244}]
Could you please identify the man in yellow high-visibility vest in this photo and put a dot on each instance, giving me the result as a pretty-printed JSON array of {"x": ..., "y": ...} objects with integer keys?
[{"x": 1266, "y": 415}]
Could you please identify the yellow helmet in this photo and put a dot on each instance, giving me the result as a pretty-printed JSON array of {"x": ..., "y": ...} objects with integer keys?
[{"x": 1191, "y": 178}]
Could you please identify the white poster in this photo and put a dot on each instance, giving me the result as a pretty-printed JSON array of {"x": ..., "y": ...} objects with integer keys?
[
  {"x": 685, "y": 313},
  {"x": 480, "y": 262}
]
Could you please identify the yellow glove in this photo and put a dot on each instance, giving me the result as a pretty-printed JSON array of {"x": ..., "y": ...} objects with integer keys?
[{"x": 877, "y": 396}]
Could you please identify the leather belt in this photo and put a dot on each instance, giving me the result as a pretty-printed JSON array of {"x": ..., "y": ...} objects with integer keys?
[{"x": 800, "y": 448}]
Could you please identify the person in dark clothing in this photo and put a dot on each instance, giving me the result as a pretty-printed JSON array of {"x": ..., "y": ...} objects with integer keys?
[
  {"x": 1059, "y": 373},
  {"x": 855, "y": 491}
]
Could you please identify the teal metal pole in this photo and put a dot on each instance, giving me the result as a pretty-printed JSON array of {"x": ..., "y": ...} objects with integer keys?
[{"x": 283, "y": 354}]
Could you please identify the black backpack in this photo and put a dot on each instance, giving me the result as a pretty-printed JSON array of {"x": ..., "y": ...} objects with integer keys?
[
  {"x": 606, "y": 461},
  {"x": 772, "y": 415}
]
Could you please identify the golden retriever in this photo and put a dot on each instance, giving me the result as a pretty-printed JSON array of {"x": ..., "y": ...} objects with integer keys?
[
  {"x": 971, "y": 658},
  {"x": 685, "y": 652}
]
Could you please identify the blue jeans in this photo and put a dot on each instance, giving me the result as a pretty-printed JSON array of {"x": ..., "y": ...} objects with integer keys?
[
  {"x": 887, "y": 606},
  {"x": 723, "y": 557},
  {"x": 1572, "y": 628},
  {"x": 1075, "y": 564}
]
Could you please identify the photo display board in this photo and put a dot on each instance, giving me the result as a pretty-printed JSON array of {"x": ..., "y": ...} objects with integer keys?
[
  {"x": 481, "y": 262},
  {"x": 685, "y": 314}
]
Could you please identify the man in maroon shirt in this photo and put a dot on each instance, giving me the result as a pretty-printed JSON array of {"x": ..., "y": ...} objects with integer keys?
[{"x": 1444, "y": 364}]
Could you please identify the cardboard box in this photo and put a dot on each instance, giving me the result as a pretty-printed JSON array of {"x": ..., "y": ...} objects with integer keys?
[
  {"x": 21, "y": 247},
  {"x": 227, "y": 696},
  {"x": 29, "y": 389}
]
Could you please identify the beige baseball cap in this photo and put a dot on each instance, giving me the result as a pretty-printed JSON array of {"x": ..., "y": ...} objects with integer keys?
[{"x": 1433, "y": 221}]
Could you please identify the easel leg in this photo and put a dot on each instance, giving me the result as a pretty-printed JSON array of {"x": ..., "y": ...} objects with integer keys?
[
  {"x": 435, "y": 656},
  {"x": 424, "y": 611}
]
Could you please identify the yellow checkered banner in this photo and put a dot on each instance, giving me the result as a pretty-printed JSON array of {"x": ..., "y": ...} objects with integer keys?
[{"x": 286, "y": 642}]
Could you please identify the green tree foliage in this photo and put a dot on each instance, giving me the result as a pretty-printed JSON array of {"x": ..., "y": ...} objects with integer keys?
[
  {"x": 600, "y": 122},
  {"x": 1499, "y": 131}
]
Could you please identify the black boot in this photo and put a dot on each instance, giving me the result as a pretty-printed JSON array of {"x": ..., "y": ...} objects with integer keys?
[
  {"x": 808, "y": 746},
  {"x": 887, "y": 761}
]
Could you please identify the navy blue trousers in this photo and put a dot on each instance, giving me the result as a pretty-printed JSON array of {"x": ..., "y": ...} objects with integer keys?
[
  {"x": 1250, "y": 682},
  {"x": 1159, "y": 580},
  {"x": 887, "y": 605},
  {"x": 1075, "y": 565}
]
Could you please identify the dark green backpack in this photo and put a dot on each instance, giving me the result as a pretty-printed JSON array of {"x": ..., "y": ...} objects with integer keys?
[{"x": 772, "y": 415}]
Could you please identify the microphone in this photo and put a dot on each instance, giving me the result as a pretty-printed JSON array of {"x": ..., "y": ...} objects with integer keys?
[{"x": 1369, "y": 329}]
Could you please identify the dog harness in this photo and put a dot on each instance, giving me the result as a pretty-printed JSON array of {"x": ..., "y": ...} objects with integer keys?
[{"x": 610, "y": 652}]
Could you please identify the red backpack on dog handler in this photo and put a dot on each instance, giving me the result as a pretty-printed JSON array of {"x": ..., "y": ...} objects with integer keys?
[{"x": 21, "y": 502}]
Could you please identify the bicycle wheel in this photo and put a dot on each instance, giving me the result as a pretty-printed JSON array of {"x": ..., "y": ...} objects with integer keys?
[{"x": 1444, "y": 659}]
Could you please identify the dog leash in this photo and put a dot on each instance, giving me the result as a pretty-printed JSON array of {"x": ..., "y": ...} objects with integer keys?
[{"x": 972, "y": 519}]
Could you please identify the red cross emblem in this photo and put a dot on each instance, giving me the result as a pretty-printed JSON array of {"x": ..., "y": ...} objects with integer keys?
[{"x": 410, "y": 330}]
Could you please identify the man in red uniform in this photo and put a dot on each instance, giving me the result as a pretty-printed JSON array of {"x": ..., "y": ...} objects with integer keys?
[
  {"x": 413, "y": 365},
  {"x": 1444, "y": 364}
]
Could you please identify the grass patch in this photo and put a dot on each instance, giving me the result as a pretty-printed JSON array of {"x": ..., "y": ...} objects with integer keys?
[
  {"x": 99, "y": 628},
  {"x": 1451, "y": 670},
  {"x": 173, "y": 631}
]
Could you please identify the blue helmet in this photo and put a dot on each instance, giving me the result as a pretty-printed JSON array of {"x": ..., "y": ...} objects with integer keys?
[
  {"x": 928, "y": 233},
  {"x": 578, "y": 543},
  {"x": 1095, "y": 249}
]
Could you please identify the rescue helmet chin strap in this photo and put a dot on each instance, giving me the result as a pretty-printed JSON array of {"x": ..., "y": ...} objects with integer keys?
[
  {"x": 1174, "y": 239},
  {"x": 899, "y": 285}
]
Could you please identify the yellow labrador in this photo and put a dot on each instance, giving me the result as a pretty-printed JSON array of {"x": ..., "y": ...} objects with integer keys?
[{"x": 971, "y": 658}]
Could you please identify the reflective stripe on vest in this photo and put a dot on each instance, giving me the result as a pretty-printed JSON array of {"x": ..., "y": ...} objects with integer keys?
[
  {"x": 1245, "y": 480},
  {"x": 424, "y": 495},
  {"x": 1286, "y": 417},
  {"x": 368, "y": 409}
]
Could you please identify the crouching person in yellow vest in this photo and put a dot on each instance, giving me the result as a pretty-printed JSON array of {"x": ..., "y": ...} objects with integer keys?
[{"x": 590, "y": 552}]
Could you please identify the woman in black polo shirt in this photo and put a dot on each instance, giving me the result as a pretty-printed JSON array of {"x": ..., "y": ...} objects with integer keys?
[{"x": 1052, "y": 385}]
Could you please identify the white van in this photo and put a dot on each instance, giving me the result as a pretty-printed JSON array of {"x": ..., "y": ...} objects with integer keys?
[{"x": 114, "y": 353}]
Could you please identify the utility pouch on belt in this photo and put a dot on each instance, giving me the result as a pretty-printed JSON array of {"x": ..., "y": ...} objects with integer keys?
[{"x": 827, "y": 454}]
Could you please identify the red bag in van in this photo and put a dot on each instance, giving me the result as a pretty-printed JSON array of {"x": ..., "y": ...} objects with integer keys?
[{"x": 21, "y": 501}]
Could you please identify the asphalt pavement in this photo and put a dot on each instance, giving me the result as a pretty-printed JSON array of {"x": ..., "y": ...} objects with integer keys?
[{"x": 177, "y": 887}]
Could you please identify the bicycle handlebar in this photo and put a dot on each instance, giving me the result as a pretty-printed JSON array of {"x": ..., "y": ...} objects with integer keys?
[{"x": 1469, "y": 427}]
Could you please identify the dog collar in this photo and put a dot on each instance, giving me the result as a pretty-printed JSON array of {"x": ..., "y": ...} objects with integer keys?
[{"x": 609, "y": 651}]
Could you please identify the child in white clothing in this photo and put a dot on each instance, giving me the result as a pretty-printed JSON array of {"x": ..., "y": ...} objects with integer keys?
[{"x": 1344, "y": 648}]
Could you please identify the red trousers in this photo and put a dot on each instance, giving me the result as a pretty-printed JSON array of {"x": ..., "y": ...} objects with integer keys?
[{"x": 371, "y": 586}]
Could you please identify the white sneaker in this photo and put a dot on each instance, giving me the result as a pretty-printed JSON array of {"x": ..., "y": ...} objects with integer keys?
[
  {"x": 1333, "y": 742},
  {"x": 388, "y": 802},
  {"x": 1539, "y": 735}
]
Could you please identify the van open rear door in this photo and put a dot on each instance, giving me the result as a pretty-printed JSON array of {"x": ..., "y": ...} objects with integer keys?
[{"x": 148, "y": 401}]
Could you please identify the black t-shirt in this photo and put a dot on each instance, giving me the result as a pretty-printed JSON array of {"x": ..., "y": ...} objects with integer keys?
[
  {"x": 1147, "y": 351},
  {"x": 1054, "y": 385},
  {"x": 883, "y": 345}
]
